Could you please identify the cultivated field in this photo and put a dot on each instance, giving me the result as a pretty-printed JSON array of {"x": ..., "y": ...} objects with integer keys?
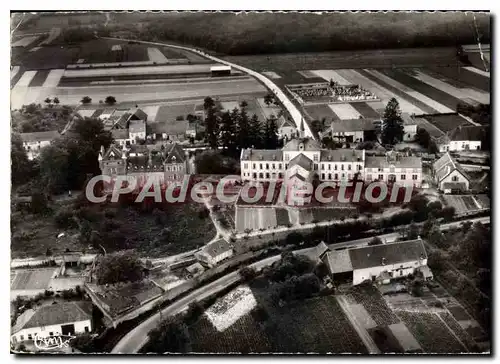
[
  {"x": 463, "y": 204},
  {"x": 316, "y": 325}
]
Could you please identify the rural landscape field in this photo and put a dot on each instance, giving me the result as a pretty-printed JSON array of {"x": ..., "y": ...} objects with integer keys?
[{"x": 125, "y": 124}]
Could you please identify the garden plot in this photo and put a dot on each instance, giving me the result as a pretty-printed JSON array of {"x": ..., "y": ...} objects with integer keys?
[
  {"x": 328, "y": 75},
  {"x": 318, "y": 112},
  {"x": 155, "y": 55},
  {"x": 26, "y": 78},
  {"x": 226, "y": 311},
  {"x": 478, "y": 71},
  {"x": 345, "y": 111},
  {"x": 32, "y": 279},
  {"x": 271, "y": 74},
  {"x": 230, "y": 105},
  {"x": 417, "y": 95},
  {"x": 53, "y": 78},
  {"x": 462, "y": 204},
  {"x": 171, "y": 112},
  {"x": 382, "y": 93},
  {"x": 462, "y": 93},
  {"x": 307, "y": 74},
  {"x": 268, "y": 110}
]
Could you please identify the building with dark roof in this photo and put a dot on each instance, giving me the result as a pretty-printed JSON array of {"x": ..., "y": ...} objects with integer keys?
[
  {"x": 449, "y": 175},
  {"x": 166, "y": 163},
  {"x": 379, "y": 263},
  {"x": 328, "y": 165},
  {"x": 464, "y": 137},
  {"x": 66, "y": 318}
]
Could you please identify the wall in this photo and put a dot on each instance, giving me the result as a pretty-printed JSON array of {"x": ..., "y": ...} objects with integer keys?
[
  {"x": 55, "y": 329},
  {"x": 360, "y": 275},
  {"x": 449, "y": 178},
  {"x": 464, "y": 145}
]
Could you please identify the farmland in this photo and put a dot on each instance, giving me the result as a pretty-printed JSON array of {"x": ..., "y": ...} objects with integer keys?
[{"x": 316, "y": 325}]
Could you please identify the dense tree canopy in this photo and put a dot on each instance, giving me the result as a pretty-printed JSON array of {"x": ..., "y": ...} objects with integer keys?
[{"x": 123, "y": 266}]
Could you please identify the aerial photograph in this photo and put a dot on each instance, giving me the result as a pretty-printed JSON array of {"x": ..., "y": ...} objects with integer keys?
[{"x": 250, "y": 183}]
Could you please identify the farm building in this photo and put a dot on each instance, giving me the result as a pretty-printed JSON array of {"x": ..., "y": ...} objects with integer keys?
[
  {"x": 462, "y": 138},
  {"x": 34, "y": 142},
  {"x": 120, "y": 136},
  {"x": 449, "y": 175},
  {"x": 66, "y": 318},
  {"x": 137, "y": 130},
  {"x": 214, "y": 252},
  {"x": 378, "y": 263},
  {"x": 221, "y": 70},
  {"x": 358, "y": 130},
  {"x": 286, "y": 128}
]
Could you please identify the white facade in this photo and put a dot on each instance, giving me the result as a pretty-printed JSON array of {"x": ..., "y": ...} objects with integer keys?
[
  {"x": 454, "y": 177},
  {"x": 214, "y": 260},
  {"x": 52, "y": 330},
  {"x": 33, "y": 148},
  {"x": 459, "y": 146},
  {"x": 410, "y": 130},
  {"x": 287, "y": 131},
  {"x": 400, "y": 175},
  {"x": 357, "y": 136},
  {"x": 394, "y": 271}
]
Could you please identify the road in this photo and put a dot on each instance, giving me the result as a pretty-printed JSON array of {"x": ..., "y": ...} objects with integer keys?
[
  {"x": 291, "y": 108},
  {"x": 137, "y": 338}
]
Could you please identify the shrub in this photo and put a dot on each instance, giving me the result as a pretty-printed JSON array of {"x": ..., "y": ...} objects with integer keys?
[{"x": 64, "y": 218}]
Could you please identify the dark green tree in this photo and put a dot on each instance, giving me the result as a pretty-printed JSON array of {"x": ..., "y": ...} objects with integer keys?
[
  {"x": 255, "y": 134},
  {"x": 211, "y": 128},
  {"x": 86, "y": 100},
  {"x": 21, "y": 167},
  {"x": 393, "y": 130},
  {"x": 243, "y": 128},
  {"x": 271, "y": 133},
  {"x": 228, "y": 133},
  {"x": 170, "y": 336},
  {"x": 268, "y": 99},
  {"x": 121, "y": 266},
  {"x": 110, "y": 100}
]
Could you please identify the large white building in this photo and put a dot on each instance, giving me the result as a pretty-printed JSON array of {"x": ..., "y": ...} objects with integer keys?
[
  {"x": 66, "y": 318},
  {"x": 306, "y": 158},
  {"x": 378, "y": 263}
]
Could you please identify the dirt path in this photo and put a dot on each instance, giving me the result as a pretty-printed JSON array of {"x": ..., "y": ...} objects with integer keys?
[{"x": 363, "y": 334}]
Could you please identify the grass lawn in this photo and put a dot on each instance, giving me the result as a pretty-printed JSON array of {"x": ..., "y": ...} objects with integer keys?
[
  {"x": 47, "y": 57},
  {"x": 318, "y": 112}
]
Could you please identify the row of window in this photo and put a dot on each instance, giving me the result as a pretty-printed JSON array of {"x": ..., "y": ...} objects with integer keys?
[
  {"x": 391, "y": 177},
  {"x": 272, "y": 166}
]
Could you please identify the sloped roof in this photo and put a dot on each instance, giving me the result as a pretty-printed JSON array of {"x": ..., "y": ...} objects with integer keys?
[
  {"x": 137, "y": 126},
  {"x": 393, "y": 253},
  {"x": 138, "y": 114},
  {"x": 462, "y": 133},
  {"x": 39, "y": 136},
  {"x": 119, "y": 134},
  {"x": 56, "y": 314},
  {"x": 174, "y": 153},
  {"x": 445, "y": 165},
  {"x": 351, "y": 125},
  {"x": 455, "y": 186},
  {"x": 262, "y": 155},
  {"x": 301, "y": 160},
  {"x": 341, "y": 155},
  {"x": 284, "y": 122},
  {"x": 339, "y": 261},
  {"x": 309, "y": 145},
  {"x": 401, "y": 162},
  {"x": 216, "y": 247}
]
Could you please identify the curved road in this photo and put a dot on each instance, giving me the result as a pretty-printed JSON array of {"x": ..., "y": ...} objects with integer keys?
[
  {"x": 292, "y": 109},
  {"x": 138, "y": 337}
]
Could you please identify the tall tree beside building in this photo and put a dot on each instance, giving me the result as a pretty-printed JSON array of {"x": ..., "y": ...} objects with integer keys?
[
  {"x": 255, "y": 135},
  {"x": 243, "y": 130},
  {"x": 21, "y": 167},
  {"x": 211, "y": 127},
  {"x": 392, "y": 131},
  {"x": 271, "y": 133},
  {"x": 228, "y": 133}
]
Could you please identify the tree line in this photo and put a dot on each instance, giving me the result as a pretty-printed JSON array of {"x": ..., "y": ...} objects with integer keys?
[{"x": 235, "y": 130}]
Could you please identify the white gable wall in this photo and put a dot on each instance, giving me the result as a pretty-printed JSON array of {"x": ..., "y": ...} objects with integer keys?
[
  {"x": 399, "y": 270},
  {"x": 46, "y": 330}
]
